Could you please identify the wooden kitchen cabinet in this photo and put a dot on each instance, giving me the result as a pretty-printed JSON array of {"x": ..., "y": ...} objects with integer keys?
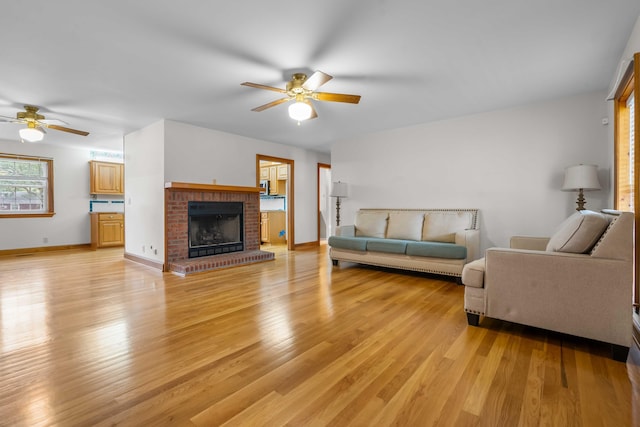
[
  {"x": 272, "y": 223},
  {"x": 264, "y": 173},
  {"x": 278, "y": 187},
  {"x": 107, "y": 229},
  {"x": 277, "y": 176},
  {"x": 282, "y": 171},
  {"x": 106, "y": 177},
  {"x": 264, "y": 227},
  {"x": 273, "y": 180}
]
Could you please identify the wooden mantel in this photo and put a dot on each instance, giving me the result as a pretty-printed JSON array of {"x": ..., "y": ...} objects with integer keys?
[{"x": 209, "y": 187}]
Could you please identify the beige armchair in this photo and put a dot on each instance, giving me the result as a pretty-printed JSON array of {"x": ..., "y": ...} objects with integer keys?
[{"x": 578, "y": 282}]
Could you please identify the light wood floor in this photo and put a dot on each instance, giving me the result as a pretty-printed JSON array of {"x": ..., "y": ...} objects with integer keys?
[{"x": 91, "y": 339}]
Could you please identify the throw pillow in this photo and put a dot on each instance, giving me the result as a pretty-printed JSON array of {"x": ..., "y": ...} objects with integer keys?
[
  {"x": 578, "y": 233},
  {"x": 442, "y": 226},
  {"x": 405, "y": 225},
  {"x": 371, "y": 224}
]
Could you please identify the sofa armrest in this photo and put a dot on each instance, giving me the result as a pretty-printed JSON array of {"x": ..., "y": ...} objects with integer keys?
[
  {"x": 528, "y": 242},
  {"x": 572, "y": 293},
  {"x": 346, "y": 231},
  {"x": 471, "y": 240}
]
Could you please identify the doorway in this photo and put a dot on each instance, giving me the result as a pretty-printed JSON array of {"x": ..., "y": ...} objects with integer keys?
[
  {"x": 325, "y": 218},
  {"x": 275, "y": 176}
]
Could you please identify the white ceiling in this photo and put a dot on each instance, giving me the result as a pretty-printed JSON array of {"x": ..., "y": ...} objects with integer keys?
[{"x": 113, "y": 67}]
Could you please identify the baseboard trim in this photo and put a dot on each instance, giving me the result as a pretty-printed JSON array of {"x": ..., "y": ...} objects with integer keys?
[
  {"x": 24, "y": 251},
  {"x": 148, "y": 262},
  {"x": 307, "y": 245}
]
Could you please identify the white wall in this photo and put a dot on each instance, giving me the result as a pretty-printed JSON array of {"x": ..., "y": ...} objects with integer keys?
[
  {"x": 144, "y": 192},
  {"x": 172, "y": 151},
  {"x": 633, "y": 44},
  {"x": 70, "y": 225},
  {"x": 199, "y": 155},
  {"x": 508, "y": 163}
]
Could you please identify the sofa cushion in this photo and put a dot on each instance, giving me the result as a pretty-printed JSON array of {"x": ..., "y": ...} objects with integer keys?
[
  {"x": 387, "y": 245},
  {"x": 405, "y": 225},
  {"x": 371, "y": 224},
  {"x": 442, "y": 226},
  {"x": 350, "y": 243},
  {"x": 436, "y": 250},
  {"x": 578, "y": 233}
]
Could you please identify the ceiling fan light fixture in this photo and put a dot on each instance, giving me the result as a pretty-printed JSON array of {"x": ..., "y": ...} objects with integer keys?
[
  {"x": 300, "y": 110},
  {"x": 31, "y": 134}
]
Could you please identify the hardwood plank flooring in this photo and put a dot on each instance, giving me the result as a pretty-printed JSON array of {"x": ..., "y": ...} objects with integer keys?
[{"x": 91, "y": 339}]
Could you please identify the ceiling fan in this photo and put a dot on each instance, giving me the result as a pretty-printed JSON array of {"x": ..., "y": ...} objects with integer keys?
[
  {"x": 303, "y": 90},
  {"x": 36, "y": 123}
]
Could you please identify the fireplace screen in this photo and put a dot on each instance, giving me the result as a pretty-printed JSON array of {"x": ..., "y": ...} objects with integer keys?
[{"x": 215, "y": 228}]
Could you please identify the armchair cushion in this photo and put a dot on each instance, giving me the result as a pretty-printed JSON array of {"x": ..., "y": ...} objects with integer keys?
[
  {"x": 578, "y": 233},
  {"x": 473, "y": 273}
]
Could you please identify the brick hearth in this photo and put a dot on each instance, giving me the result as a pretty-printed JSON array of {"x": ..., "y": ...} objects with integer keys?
[{"x": 177, "y": 197}]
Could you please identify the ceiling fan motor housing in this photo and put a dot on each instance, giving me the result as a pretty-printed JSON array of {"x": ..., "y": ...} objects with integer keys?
[
  {"x": 294, "y": 87},
  {"x": 31, "y": 114}
]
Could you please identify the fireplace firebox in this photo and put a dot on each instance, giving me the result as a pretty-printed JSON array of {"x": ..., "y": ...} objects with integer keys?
[{"x": 215, "y": 228}]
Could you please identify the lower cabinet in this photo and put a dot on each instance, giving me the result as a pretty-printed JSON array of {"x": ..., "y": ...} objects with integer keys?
[
  {"x": 107, "y": 230},
  {"x": 264, "y": 227},
  {"x": 273, "y": 227}
]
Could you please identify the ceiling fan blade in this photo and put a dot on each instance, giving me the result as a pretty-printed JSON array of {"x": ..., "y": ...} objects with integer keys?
[
  {"x": 316, "y": 80},
  {"x": 54, "y": 122},
  {"x": 259, "y": 86},
  {"x": 314, "y": 114},
  {"x": 9, "y": 119},
  {"x": 336, "y": 97},
  {"x": 65, "y": 129},
  {"x": 271, "y": 104}
]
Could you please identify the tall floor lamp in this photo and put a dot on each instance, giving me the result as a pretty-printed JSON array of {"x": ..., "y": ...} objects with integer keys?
[
  {"x": 581, "y": 178},
  {"x": 338, "y": 190}
]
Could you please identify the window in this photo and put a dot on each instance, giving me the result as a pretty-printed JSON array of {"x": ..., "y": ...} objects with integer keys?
[
  {"x": 625, "y": 147},
  {"x": 627, "y": 164},
  {"x": 26, "y": 186}
]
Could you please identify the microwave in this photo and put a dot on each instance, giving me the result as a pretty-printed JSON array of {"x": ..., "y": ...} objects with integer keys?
[{"x": 264, "y": 186}]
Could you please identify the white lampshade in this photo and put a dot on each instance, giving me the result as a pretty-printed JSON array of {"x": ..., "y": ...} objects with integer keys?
[
  {"x": 31, "y": 134},
  {"x": 338, "y": 189},
  {"x": 583, "y": 177},
  {"x": 300, "y": 111}
]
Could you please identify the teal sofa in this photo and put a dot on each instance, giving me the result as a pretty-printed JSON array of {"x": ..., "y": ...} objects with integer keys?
[{"x": 438, "y": 241}]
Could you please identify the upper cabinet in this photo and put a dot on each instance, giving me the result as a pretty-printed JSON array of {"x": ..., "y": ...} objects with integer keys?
[
  {"x": 277, "y": 175},
  {"x": 264, "y": 173},
  {"x": 106, "y": 177},
  {"x": 283, "y": 171}
]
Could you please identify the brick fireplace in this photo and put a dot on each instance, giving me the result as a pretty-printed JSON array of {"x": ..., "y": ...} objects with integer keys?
[{"x": 177, "y": 198}]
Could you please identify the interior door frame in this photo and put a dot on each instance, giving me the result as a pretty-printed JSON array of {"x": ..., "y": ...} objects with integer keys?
[
  {"x": 290, "y": 193},
  {"x": 320, "y": 167},
  {"x": 629, "y": 84}
]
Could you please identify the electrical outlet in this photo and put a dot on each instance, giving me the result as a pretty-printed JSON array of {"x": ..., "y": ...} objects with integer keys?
[
  {"x": 142, "y": 248},
  {"x": 45, "y": 240}
]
